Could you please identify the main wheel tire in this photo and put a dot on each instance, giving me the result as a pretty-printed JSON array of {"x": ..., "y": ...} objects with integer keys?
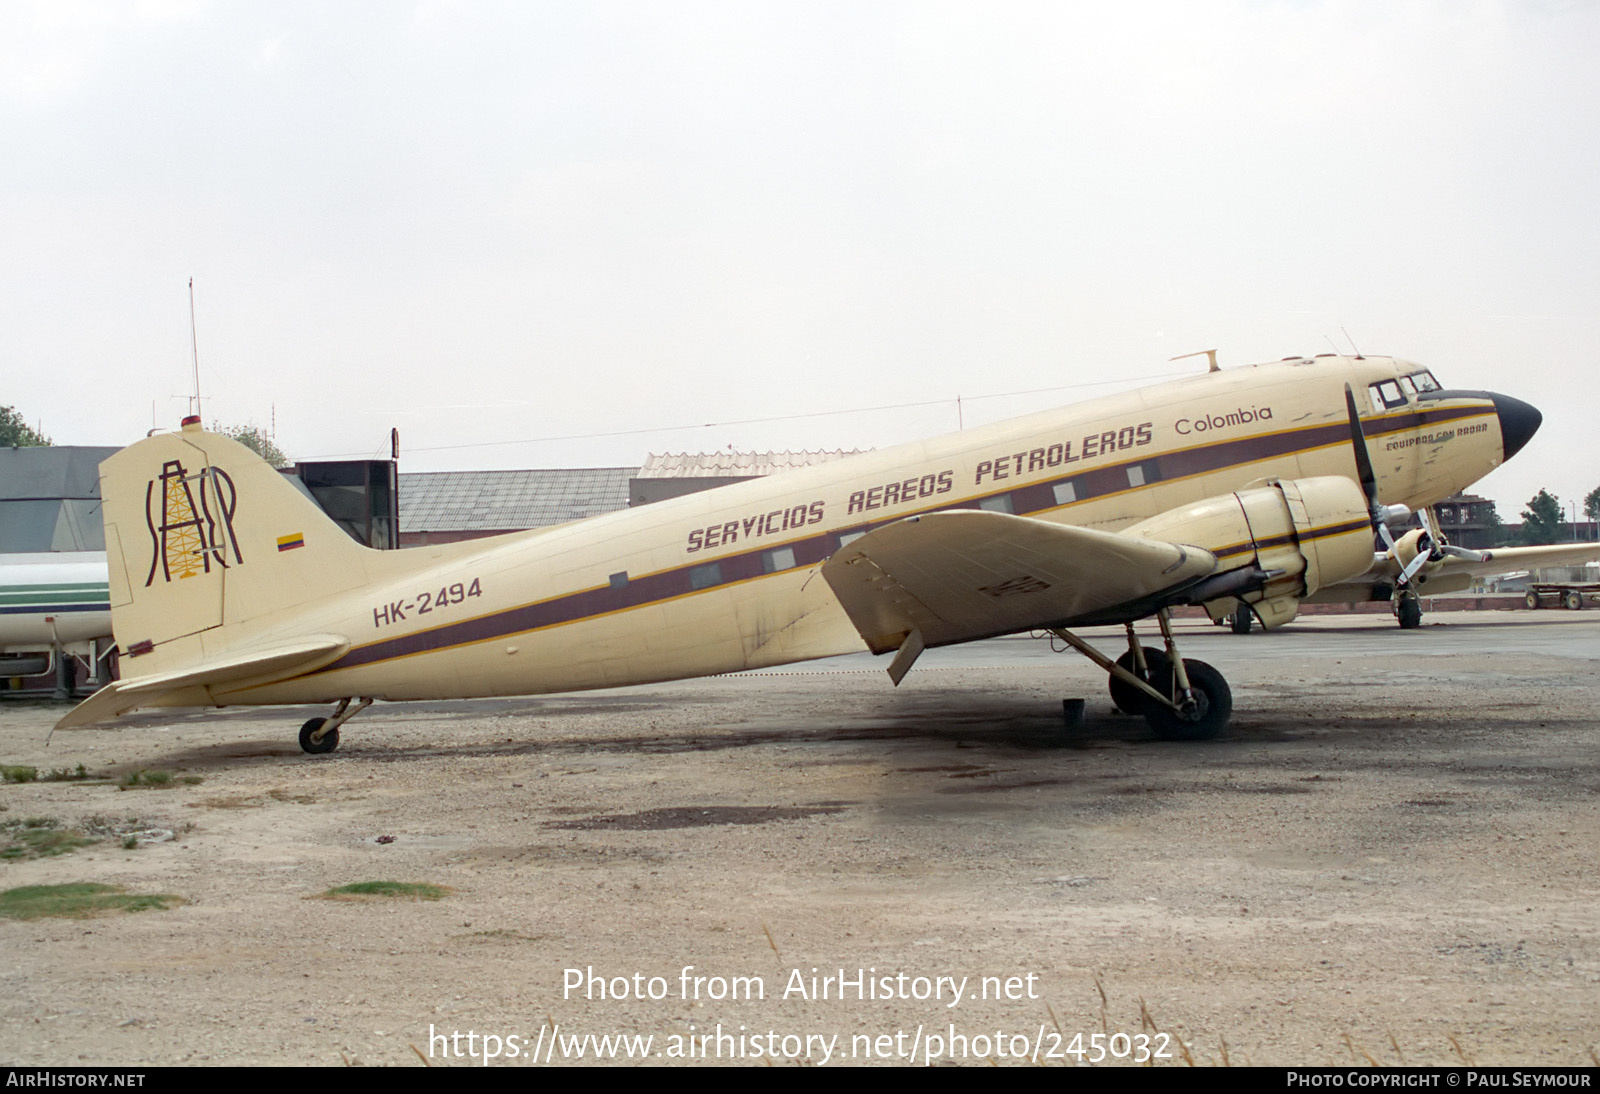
[
  {"x": 329, "y": 742},
  {"x": 1129, "y": 699},
  {"x": 1409, "y": 612},
  {"x": 1531, "y": 600},
  {"x": 1213, "y": 705},
  {"x": 1574, "y": 601},
  {"x": 1242, "y": 619}
]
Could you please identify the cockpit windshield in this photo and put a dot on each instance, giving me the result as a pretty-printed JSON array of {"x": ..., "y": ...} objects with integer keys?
[{"x": 1421, "y": 381}]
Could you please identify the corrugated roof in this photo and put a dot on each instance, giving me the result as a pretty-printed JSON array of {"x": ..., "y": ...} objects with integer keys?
[
  {"x": 675, "y": 465},
  {"x": 497, "y": 501}
]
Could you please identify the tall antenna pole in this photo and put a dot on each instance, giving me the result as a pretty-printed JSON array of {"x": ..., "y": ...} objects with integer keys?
[{"x": 194, "y": 337}]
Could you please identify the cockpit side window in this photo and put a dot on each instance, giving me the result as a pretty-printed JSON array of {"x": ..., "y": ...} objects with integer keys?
[
  {"x": 1386, "y": 395},
  {"x": 1423, "y": 381}
]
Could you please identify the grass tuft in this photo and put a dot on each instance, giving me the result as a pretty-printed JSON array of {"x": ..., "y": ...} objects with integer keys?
[
  {"x": 62, "y": 775},
  {"x": 145, "y": 779},
  {"x": 18, "y": 773},
  {"x": 78, "y": 901},
  {"x": 37, "y": 837},
  {"x": 156, "y": 780},
  {"x": 380, "y": 890}
]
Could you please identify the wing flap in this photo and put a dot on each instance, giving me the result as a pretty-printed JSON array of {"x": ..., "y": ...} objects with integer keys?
[
  {"x": 262, "y": 665},
  {"x": 970, "y": 574}
]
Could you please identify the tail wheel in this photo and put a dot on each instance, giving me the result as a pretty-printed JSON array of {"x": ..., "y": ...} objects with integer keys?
[
  {"x": 1129, "y": 699},
  {"x": 1213, "y": 705},
  {"x": 329, "y": 742}
]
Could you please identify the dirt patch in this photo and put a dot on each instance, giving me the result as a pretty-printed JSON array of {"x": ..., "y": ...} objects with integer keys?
[
  {"x": 1391, "y": 852},
  {"x": 653, "y": 820}
]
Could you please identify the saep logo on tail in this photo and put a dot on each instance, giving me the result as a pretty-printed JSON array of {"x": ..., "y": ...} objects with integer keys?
[{"x": 191, "y": 521}]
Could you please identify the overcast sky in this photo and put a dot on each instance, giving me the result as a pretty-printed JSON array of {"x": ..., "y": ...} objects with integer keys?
[{"x": 487, "y": 222}]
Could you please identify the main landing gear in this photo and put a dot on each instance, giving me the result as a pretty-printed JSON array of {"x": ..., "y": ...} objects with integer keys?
[
  {"x": 1182, "y": 699},
  {"x": 322, "y": 734}
]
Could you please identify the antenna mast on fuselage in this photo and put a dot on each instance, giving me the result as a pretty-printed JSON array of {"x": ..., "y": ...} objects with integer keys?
[
  {"x": 194, "y": 341},
  {"x": 1209, "y": 354}
]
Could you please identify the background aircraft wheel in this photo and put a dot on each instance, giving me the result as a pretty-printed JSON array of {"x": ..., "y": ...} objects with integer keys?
[
  {"x": 1409, "y": 612},
  {"x": 1241, "y": 620},
  {"x": 1531, "y": 600},
  {"x": 1213, "y": 705},
  {"x": 1574, "y": 600},
  {"x": 329, "y": 742},
  {"x": 1129, "y": 699}
]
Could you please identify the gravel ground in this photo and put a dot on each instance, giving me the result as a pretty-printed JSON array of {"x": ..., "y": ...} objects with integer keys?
[{"x": 1390, "y": 854}]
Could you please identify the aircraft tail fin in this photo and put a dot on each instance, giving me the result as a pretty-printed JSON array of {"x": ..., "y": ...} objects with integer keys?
[{"x": 207, "y": 545}]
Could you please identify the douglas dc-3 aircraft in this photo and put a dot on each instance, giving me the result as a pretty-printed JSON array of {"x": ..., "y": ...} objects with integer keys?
[{"x": 1261, "y": 485}]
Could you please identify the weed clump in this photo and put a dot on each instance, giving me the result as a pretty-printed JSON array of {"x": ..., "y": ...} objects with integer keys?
[
  {"x": 378, "y": 890},
  {"x": 38, "y": 837},
  {"x": 78, "y": 901},
  {"x": 145, "y": 779}
]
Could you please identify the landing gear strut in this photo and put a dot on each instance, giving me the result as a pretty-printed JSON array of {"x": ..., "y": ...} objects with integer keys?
[
  {"x": 321, "y": 735},
  {"x": 1182, "y": 700}
]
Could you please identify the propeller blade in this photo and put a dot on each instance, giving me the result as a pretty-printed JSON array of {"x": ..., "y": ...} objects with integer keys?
[
  {"x": 1358, "y": 443},
  {"x": 1416, "y": 563},
  {"x": 1381, "y": 515}
]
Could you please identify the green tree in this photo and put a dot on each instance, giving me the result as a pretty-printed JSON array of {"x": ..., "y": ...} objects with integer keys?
[
  {"x": 1496, "y": 527},
  {"x": 1541, "y": 520},
  {"x": 1591, "y": 504},
  {"x": 256, "y": 440},
  {"x": 14, "y": 432}
]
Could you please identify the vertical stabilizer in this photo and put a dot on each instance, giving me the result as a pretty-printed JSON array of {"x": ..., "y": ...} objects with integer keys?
[{"x": 206, "y": 544}]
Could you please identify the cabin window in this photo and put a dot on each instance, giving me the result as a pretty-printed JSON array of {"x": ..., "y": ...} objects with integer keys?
[
  {"x": 1000, "y": 503},
  {"x": 1386, "y": 395},
  {"x": 779, "y": 558},
  {"x": 1424, "y": 381},
  {"x": 619, "y": 580},
  {"x": 846, "y": 538},
  {"x": 1141, "y": 474},
  {"x": 703, "y": 577},
  {"x": 1065, "y": 492}
]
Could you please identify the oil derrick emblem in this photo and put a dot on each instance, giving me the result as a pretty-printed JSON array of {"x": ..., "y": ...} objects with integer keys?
[{"x": 191, "y": 524}]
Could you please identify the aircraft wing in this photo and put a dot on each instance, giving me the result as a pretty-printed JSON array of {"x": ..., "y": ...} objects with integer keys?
[
  {"x": 957, "y": 576},
  {"x": 1500, "y": 560},
  {"x": 261, "y": 665}
]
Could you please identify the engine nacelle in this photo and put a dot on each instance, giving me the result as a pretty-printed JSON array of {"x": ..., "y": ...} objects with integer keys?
[{"x": 1304, "y": 533}]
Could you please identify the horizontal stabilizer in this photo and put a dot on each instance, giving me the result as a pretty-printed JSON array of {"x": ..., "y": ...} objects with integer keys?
[
  {"x": 968, "y": 574},
  {"x": 263, "y": 665}
]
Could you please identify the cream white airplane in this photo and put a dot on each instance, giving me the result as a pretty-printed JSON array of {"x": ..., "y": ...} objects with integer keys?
[{"x": 1260, "y": 485}]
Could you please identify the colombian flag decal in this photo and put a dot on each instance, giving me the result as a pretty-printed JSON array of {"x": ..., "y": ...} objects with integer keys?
[{"x": 289, "y": 543}]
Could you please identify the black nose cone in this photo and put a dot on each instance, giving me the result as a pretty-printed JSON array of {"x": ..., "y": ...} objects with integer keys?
[{"x": 1518, "y": 422}]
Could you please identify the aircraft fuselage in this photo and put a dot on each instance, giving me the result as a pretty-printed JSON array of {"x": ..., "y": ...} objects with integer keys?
[{"x": 726, "y": 579}]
